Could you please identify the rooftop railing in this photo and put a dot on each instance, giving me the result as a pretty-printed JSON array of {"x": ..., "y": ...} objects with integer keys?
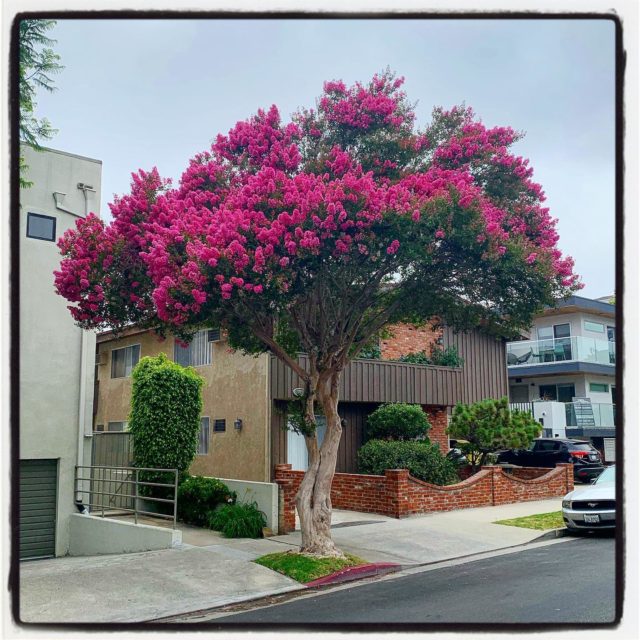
[{"x": 575, "y": 348}]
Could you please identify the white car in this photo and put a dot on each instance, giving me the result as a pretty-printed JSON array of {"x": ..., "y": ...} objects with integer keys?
[{"x": 593, "y": 507}]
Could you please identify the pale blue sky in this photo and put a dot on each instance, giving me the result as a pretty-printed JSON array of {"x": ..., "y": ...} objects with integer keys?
[{"x": 137, "y": 94}]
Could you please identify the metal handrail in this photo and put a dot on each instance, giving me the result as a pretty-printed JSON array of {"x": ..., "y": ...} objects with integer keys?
[{"x": 133, "y": 493}]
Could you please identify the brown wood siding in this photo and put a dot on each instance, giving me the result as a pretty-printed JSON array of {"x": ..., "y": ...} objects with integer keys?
[
  {"x": 355, "y": 415},
  {"x": 484, "y": 375}
]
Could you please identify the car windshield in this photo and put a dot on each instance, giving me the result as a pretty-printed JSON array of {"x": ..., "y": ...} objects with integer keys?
[
  {"x": 608, "y": 475},
  {"x": 581, "y": 447}
]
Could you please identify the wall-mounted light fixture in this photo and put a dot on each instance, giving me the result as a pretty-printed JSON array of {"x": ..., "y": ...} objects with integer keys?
[{"x": 238, "y": 424}]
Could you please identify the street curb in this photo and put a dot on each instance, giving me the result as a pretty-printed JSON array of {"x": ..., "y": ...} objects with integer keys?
[
  {"x": 552, "y": 534},
  {"x": 356, "y": 573}
]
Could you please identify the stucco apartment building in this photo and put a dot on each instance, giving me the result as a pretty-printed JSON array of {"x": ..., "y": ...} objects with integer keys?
[
  {"x": 243, "y": 428},
  {"x": 569, "y": 357},
  {"x": 56, "y": 357}
]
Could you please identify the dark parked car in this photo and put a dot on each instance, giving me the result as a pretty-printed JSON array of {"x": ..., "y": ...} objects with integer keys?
[{"x": 546, "y": 452}]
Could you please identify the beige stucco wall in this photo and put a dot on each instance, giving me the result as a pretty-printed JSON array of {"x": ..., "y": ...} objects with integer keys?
[
  {"x": 236, "y": 386},
  {"x": 56, "y": 360}
]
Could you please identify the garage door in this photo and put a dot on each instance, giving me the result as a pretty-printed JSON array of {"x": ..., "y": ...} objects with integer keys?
[{"x": 38, "y": 488}]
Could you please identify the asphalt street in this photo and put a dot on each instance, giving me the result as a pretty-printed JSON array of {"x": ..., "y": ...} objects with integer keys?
[{"x": 570, "y": 582}]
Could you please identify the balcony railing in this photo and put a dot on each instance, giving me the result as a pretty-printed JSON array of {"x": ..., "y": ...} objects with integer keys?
[
  {"x": 575, "y": 348},
  {"x": 590, "y": 414}
]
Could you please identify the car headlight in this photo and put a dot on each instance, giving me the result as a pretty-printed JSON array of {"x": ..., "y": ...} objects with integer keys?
[{"x": 566, "y": 504}]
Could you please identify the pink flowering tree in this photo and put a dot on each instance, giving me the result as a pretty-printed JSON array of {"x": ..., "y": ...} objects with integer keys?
[{"x": 310, "y": 236}]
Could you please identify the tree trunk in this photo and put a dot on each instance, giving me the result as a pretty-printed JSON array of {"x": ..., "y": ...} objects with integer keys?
[{"x": 313, "y": 500}]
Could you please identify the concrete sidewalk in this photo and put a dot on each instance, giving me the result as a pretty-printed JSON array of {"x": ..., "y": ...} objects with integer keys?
[{"x": 209, "y": 571}]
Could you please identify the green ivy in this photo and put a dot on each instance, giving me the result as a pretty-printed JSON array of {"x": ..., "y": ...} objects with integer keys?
[{"x": 166, "y": 404}]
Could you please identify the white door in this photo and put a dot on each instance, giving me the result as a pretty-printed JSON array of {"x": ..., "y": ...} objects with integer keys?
[{"x": 297, "y": 455}]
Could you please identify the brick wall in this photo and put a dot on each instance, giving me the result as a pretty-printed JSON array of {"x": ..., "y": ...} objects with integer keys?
[
  {"x": 397, "y": 494},
  {"x": 406, "y": 339}
]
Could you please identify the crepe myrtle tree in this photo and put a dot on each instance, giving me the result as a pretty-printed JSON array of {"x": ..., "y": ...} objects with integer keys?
[{"x": 313, "y": 235}]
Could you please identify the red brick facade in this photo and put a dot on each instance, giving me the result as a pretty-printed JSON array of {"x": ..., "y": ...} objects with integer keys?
[
  {"x": 405, "y": 338},
  {"x": 397, "y": 494}
]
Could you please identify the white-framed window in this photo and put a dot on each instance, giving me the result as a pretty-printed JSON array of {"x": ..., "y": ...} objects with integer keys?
[
  {"x": 594, "y": 327},
  {"x": 203, "y": 436},
  {"x": 123, "y": 360},
  {"x": 120, "y": 425},
  {"x": 195, "y": 354}
]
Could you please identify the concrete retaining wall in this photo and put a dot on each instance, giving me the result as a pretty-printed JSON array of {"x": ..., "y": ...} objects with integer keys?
[
  {"x": 91, "y": 536},
  {"x": 264, "y": 493}
]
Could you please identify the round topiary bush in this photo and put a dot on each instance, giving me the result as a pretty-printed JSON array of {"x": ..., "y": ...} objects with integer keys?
[
  {"x": 423, "y": 460},
  {"x": 397, "y": 421}
]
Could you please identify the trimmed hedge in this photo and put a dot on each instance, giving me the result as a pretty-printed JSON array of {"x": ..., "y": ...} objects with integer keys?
[
  {"x": 423, "y": 460},
  {"x": 397, "y": 421},
  {"x": 198, "y": 498},
  {"x": 166, "y": 402}
]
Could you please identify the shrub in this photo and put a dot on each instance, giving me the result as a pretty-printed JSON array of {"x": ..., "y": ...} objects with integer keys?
[
  {"x": 166, "y": 402},
  {"x": 198, "y": 497},
  {"x": 423, "y": 460},
  {"x": 242, "y": 520},
  {"x": 397, "y": 421},
  {"x": 489, "y": 425},
  {"x": 447, "y": 357}
]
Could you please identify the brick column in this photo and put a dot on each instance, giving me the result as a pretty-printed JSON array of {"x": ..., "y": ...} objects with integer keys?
[
  {"x": 568, "y": 474},
  {"x": 287, "y": 498},
  {"x": 438, "y": 431},
  {"x": 397, "y": 490}
]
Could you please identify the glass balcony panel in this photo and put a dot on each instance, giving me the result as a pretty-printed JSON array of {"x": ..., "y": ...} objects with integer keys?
[
  {"x": 588, "y": 415},
  {"x": 528, "y": 352}
]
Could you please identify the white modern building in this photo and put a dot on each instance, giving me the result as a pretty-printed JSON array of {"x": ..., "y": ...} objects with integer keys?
[
  {"x": 569, "y": 357},
  {"x": 56, "y": 357}
]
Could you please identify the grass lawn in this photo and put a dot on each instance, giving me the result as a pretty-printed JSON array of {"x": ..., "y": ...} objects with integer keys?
[
  {"x": 306, "y": 568},
  {"x": 540, "y": 521}
]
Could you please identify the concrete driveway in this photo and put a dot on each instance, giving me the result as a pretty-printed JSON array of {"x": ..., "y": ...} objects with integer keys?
[{"x": 140, "y": 586}]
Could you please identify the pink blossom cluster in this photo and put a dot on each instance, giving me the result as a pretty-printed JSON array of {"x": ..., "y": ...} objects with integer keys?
[{"x": 361, "y": 107}]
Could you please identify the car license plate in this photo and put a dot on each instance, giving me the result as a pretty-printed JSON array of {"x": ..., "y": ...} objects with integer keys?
[{"x": 591, "y": 518}]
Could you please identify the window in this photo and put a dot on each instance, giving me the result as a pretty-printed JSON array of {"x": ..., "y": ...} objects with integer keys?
[
  {"x": 220, "y": 425},
  {"x": 196, "y": 354},
  {"x": 557, "y": 392},
  {"x": 99, "y": 427},
  {"x": 123, "y": 361},
  {"x": 213, "y": 335},
  {"x": 598, "y": 387},
  {"x": 41, "y": 227},
  {"x": 556, "y": 331},
  {"x": 611, "y": 334},
  {"x": 203, "y": 437},
  {"x": 118, "y": 426},
  {"x": 596, "y": 327}
]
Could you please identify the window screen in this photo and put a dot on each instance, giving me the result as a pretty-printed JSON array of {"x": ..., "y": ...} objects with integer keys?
[
  {"x": 196, "y": 354},
  {"x": 41, "y": 227},
  {"x": 123, "y": 361},
  {"x": 117, "y": 426},
  {"x": 203, "y": 437}
]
